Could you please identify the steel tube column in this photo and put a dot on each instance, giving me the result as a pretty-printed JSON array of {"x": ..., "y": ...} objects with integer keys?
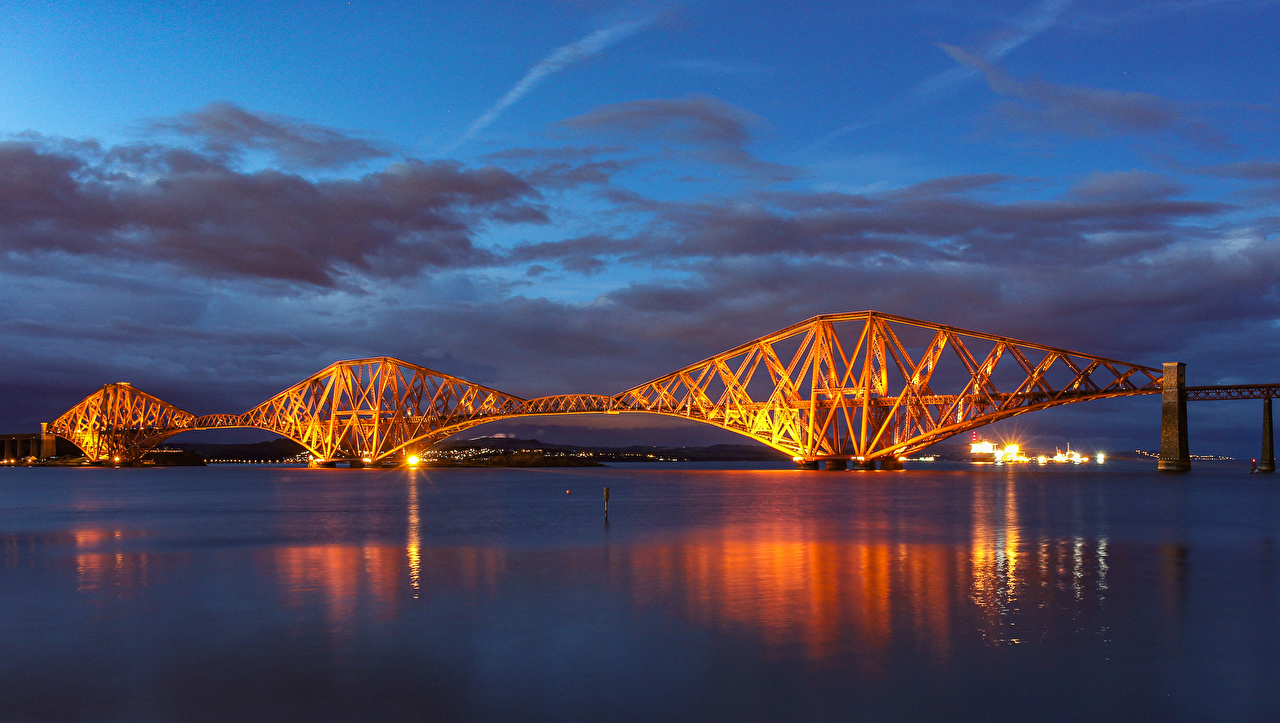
[
  {"x": 1174, "y": 453},
  {"x": 1267, "y": 460}
]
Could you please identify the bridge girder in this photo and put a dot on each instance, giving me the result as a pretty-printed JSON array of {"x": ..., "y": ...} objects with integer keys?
[
  {"x": 862, "y": 385},
  {"x": 120, "y": 422}
]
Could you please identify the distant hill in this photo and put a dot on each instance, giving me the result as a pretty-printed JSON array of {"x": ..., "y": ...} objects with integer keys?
[
  {"x": 274, "y": 451},
  {"x": 281, "y": 449},
  {"x": 748, "y": 452}
]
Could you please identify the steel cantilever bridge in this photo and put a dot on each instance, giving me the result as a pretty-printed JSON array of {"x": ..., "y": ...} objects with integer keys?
[{"x": 861, "y": 386}]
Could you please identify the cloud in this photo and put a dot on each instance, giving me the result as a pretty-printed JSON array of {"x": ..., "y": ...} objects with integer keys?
[
  {"x": 717, "y": 130},
  {"x": 559, "y": 59},
  {"x": 1255, "y": 170},
  {"x": 1126, "y": 186},
  {"x": 1265, "y": 174},
  {"x": 227, "y": 130},
  {"x": 937, "y": 221},
  {"x": 1018, "y": 30},
  {"x": 1088, "y": 112},
  {"x": 584, "y": 255},
  {"x": 151, "y": 203},
  {"x": 174, "y": 268}
]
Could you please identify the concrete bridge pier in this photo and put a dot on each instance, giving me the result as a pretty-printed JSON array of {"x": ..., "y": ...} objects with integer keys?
[
  {"x": 864, "y": 465},
  {"x": 1267, "y": 460},
  {"x": 1174, "y": 454},
  {"x": 837, "y": 465},
  {"x": 891, "y": 463},
  {"x": 9, "y": 449},
  {"x": 807, "y": 464}
]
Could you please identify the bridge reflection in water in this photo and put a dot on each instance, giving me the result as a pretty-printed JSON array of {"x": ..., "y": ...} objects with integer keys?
[
  {"x": 450, "y": 589},
  {"x": 795, "y": 588},
  {"x": 794, "y": 584}
]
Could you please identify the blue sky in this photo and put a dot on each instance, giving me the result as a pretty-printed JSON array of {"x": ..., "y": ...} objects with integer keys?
[{"x": 213, "y": 201}]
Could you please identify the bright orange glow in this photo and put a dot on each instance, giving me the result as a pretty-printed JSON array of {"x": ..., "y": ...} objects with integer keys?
[
  {"x": 771, "y": 390},
  {"x": 342, "y": 575}
]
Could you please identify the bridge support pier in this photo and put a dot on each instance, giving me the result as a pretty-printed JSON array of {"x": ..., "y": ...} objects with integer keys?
[
  {"x": 837, "y": 465},
  {"x": 9, "y": 451},
  {"x": 48, "y": 442},
  {"x": 1174, "y": 453},
  {"x": 863, "y": 465},
  {"x": 891, "y": 463},
  {"x": 807, "y": 464},
  {"x": 1267, "y": 460}
]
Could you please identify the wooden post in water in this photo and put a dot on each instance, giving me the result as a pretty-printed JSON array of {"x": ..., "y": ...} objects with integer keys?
[{"x": 606, "y": 503}]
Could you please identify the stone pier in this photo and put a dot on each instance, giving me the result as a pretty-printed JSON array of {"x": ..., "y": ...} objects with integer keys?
[{"x": 1174, "y": 454}]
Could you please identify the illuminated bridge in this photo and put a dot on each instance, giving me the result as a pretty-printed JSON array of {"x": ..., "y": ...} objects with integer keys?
[{"x": 858, "y": 388}]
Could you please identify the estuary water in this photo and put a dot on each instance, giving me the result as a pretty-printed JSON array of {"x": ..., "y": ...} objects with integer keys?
[{"x": 971, "y": 593}]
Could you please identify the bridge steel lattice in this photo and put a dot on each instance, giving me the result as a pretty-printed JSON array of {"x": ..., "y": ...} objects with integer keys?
[
  {"x": 1225, "y": 392},
  {"x": 857, "y": 386}
]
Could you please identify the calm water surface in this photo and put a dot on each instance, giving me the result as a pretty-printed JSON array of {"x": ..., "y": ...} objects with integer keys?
[{"x": 260, "y": 593}]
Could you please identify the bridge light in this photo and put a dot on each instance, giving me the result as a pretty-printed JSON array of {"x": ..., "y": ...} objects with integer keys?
[
  {"x": 366, "y": 460},
  {"x": 413, "y": 459}
]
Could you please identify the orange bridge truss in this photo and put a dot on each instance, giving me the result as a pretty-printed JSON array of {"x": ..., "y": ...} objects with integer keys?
[{"x": 856, "y": 386}]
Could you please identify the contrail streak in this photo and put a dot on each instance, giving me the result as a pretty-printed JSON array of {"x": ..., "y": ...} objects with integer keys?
[
  {"x": 1038, "y": 19},
  {"x": 558, "y": 60}
]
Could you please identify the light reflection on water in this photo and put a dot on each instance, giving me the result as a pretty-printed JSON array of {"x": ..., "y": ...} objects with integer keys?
[{"x": 525, "y": 598}]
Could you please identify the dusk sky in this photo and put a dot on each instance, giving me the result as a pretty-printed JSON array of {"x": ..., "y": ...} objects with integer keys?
[{"x": 214, "y": 201}]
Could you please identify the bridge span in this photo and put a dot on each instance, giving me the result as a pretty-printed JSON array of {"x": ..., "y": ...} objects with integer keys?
[{"x": 861, "y": 389}]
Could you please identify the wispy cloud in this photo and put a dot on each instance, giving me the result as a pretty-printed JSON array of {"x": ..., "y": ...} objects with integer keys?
[
  {"x": 559, "y": 59},
  {"x": 1081, "y": 111},
  {"x": 717, "y": 130},
  {"x": 1037, "y": 19}
]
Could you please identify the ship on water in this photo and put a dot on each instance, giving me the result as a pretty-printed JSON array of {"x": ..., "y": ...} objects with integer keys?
[
  {"x": 983, "y": 451},
  {"x": 986, "y": 451}
]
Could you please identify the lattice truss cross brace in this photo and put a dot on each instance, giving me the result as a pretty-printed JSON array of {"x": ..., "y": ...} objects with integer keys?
[
  {"x": 847, "y": 386},
  {"x": 863, "y": 385}
]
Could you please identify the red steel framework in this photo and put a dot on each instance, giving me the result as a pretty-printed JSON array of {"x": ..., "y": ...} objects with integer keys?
[
  {"x": 856, "y": 386},
  {"x": 1231, "y": 391}
]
